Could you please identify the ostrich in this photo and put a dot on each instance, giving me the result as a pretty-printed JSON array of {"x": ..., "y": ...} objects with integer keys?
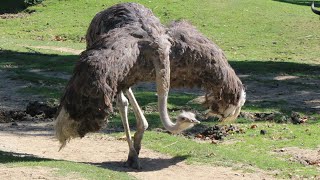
[
  {"x": 126, "y": 44},
  {"x": 134, "y": 48},
  {"x": 198, "y": 62},
  {"x": 314, "y": 9}
]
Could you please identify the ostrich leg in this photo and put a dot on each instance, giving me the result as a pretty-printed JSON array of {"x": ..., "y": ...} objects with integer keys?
[
  {"x": 142, "y": 123},
  {"x": 122, "y": 103}
]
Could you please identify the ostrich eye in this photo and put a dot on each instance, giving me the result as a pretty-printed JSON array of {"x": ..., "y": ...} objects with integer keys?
[{"x": 183, "y": 119}]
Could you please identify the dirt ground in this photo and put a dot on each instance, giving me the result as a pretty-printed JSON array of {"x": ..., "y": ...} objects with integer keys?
[
  {"x": 9, "y": 98},
  {"x": 13, "y": 173},
  {"x": 303, "y": 156},
  {"x": 36, "y": 139}
]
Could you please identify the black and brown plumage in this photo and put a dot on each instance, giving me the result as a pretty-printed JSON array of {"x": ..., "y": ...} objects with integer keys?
[
  {"x": 127, "y": 44},
  {"x": 131, "y": 46}
]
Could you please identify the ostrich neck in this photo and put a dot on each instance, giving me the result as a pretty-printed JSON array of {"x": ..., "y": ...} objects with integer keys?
[
  {"x": 165, "y": 119},
  {"x": 162, "y": 67}
]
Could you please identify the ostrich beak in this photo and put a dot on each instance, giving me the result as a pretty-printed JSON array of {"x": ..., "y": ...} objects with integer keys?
[{"x": 195, "y": 121}]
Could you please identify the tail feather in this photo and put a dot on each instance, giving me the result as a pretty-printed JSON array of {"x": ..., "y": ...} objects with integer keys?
[{"x": 65, "y": 128}]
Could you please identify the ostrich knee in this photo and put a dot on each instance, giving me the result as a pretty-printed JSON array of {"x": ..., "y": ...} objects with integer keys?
[
  {"x": 142, "y": 123},
  {"x": 123, "y": 103}
]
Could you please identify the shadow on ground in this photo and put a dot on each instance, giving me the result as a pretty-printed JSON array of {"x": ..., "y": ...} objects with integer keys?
[
  {"x": 12, "y": 60},
  {"x": 284, "y": 85},
  {"x": 29, "y": 128},
  {"x": 272, "y": 67},
  {"x": 16, "y": 6},
  {"x": 297, "y": 2},
  {"x": 12, "y": 157},
  {"x": 148, "y": 164}
]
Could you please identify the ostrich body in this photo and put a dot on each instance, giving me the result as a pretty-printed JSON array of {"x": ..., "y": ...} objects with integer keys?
[
  {"x": 132, "y": 47},
  {"x": 126, "y": 44},
  {"x": 196, "y": 61}
]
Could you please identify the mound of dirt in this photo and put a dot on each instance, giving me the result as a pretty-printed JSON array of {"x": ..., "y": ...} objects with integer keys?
[
  {"x": 303, "y": 156},
  {"x": 294, "y": 118},
  {"x": 41, "y": 109},
  {"x": 218, "y": 132},
  {"x": 9, "y": 116},
  {"x": 34, "y": 111}
]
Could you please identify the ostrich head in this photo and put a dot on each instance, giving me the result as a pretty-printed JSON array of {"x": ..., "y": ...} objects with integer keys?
[
  {"x": 198, "y": 62},
  {"x": 185, "y": 120},
  {"x": 224, "y": 110}
]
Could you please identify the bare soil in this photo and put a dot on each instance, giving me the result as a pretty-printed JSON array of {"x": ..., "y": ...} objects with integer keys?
[
  {"x": 307, "y": 157},
  {"x": 9, "y": 98},
  {"x": 13, "y": 16},
  {"x": 37, "y": 139},
  {"x": 16, "y": 173}
]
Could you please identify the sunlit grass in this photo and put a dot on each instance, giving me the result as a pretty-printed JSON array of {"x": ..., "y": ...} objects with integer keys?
[
  {"x": 249, "y": 150},
  {"x": 245, "y": 30}
]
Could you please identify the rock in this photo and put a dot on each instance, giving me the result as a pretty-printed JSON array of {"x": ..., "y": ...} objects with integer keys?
[
  {"x": 253, "y": 126},
  {"x": 14, "y": 124},
  {"x": 263, "y": 132}
]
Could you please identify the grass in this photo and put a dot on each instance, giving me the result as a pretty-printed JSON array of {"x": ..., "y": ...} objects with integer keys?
[
  {"x": 260, "y": 37},
  {"x": 247, "y": 151},
  {"x": 48, "y": 92},
  {"x": 250, "y": 149},
  {"x": 246, "y": 30}
]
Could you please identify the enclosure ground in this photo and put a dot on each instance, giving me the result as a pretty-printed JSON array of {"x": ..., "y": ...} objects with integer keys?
[{"x": 36, "y": 139}]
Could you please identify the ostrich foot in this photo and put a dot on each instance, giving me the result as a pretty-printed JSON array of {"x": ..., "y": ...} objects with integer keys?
[{"x": 133, "y": 161}]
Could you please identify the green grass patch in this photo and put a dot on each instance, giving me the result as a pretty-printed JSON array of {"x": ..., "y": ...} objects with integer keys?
[
  {"x": 47, "y": 92},
  {"x": 249, "y": 149},
  {"x": 248, "y": 29},
  {"x": 36, "y": 60},
  {"x": 37, "y": 78}
]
